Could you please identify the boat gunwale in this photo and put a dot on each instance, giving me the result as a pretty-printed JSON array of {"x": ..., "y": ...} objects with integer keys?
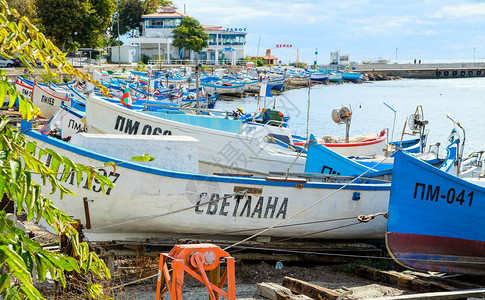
[{"x": 191, "y": 176}]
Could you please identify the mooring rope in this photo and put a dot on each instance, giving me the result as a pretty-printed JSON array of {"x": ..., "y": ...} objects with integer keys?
[{"x": 307, "y": 208}]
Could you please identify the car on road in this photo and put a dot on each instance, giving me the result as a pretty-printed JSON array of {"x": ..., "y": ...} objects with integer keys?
[
  {"x": 16, "y": 62},
  {"x": 6, "y": 63}
]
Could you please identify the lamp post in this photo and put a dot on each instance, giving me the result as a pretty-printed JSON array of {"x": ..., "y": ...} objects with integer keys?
[
  {"x": 119, "y": 42},
  {"x": 396, "y": 55},
  {"x": 474, "y": 53},
  {"x": 73, "y": 54}
]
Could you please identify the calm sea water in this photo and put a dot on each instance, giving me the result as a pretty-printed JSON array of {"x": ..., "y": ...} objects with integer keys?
[{"x": 463, "y": 99}]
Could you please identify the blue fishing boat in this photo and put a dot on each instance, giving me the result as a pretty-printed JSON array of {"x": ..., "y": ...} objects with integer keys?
[
  {"x": 277, "y": 82},
  {"x": 319, "y": 76},
  {"x": 415, "y": 145},
  {"x": 435, "y": 219},
  {"x": 352, "y": 76},
  {"x": 322, "y": 160}
]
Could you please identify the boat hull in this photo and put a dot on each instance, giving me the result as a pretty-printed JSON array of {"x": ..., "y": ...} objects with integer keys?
[
  {"x": 236, "y": 149},
  {"x": 335, "y": 77},
  {"x": 352, "y": 76},
  {"x": 47, "y": 101},
  {"x": 252, "y": 86},
  {"x": 151, "y": 203},
  {"x": 365, "y": 148},
  {"x": 372, "y": 148},
  {"x": 319, "y": 77},
  {"x": 236, "y": 90},
  {"x": 277, "y": 83},
  {"x": 435, "y": 219}
]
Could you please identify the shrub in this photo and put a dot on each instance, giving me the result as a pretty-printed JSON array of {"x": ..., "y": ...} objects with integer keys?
[
  {"x": 45, "y": 77},
  {"x": 145, "y": 58},
  {"x": 141, "y": 67}
]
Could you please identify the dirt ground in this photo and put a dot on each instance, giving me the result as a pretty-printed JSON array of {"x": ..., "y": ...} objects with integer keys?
[{"x": 248, "y": 275}]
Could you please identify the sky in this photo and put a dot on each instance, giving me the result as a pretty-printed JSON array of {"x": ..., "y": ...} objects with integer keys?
[{"x": 427, "y": 30}]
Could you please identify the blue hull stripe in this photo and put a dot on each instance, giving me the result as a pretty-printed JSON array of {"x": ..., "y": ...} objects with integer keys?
[{"x": 190, "y": 176}]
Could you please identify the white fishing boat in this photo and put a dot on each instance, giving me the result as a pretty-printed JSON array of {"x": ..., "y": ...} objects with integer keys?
[
  {"x": 335, "y": 77},
  {"x": 366, "y": 145},
  {"x": 24, "y": 87},
  {"x": 236, "y": 89},
  {"x": 148, "y": 202},
  {"x": 48, "y": 100},
  {"x": 252, "y": 86},
  {"x": 318, "y": 76},
  {"x": 227, "y": 145},
  {"x": 361, "y": 145}
]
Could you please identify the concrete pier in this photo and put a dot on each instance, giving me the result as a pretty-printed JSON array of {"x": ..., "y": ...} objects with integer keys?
[{"x": 424, "y": 71}]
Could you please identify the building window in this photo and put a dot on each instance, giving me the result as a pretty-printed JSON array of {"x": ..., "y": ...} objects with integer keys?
[
  {"x": 233, "y": 39},
  {"x": 163, "y": 23},
  {"x": 155, "y": 23},
  {"x": 212, "y": 39}
]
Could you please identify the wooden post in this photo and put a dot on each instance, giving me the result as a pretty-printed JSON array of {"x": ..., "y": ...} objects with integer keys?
[
  {"x": 214, "y": 278},
  {"x": 110, "y": 262},
  {"x": 86, "y": 212}
]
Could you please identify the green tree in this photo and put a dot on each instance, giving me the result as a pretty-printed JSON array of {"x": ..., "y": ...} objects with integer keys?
[
  {"x": 25, "y": 8},
  {"x": 190, "y": 35},
  {"x": 21, "y": 170},
  {"x": 62, "y": 19},
  {"x": 82, "y": 21},
  {"x": 131, "y": 12},
  {"x": 95, "y": 25}
]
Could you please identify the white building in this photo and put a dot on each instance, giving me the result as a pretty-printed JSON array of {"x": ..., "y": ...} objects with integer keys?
[
  {"x": 336, "y": 58},
  {"x": 225, "y": 46}
]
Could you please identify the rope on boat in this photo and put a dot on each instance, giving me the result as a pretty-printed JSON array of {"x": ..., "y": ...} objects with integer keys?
[
  {"x": 306, "y": 208},
  {"x": 367, "y": 218},
  {"x": 281, "y": 226},
  {"x": 243, "y": 193}
]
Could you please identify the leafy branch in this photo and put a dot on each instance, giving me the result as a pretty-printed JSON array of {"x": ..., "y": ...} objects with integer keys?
[{"x": 24, "y": 173}]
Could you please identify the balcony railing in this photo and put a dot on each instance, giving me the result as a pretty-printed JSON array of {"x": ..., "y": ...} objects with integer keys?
[{"x": 206, "y": 62}]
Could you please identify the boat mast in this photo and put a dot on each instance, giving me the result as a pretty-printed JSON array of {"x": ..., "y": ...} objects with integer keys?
[
  {"x": 308, "y": 110},
  {"x": 257, "y": 51},
  {"x": 459, "y": 150}
]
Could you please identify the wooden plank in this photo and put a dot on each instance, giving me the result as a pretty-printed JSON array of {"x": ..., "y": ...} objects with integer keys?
[
  {"x": 311, "y": 290},
  {"x": 457, "y": 283},
  {"x": 273, "y": 291},
  {"x": 439, "y": 295},
  {"x": 402, "y": 280}
]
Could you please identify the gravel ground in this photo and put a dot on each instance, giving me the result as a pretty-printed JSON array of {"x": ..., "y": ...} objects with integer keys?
[{"x": 247, "y": 277}]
